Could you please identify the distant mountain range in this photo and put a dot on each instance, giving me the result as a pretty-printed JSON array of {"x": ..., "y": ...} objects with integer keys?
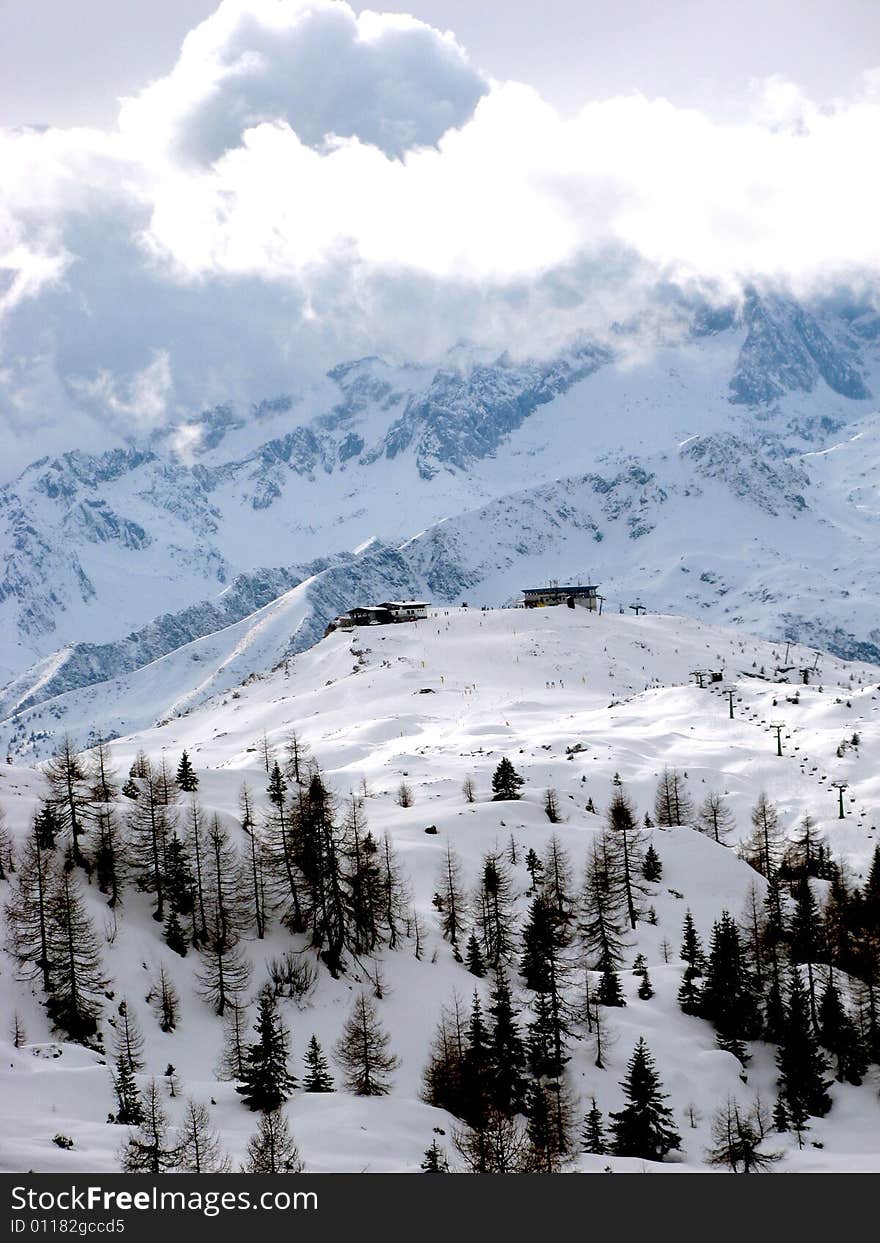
[{"x": 728, "y": 469}]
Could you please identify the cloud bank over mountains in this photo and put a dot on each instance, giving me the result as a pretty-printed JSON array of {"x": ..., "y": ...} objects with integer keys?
[
  {"x": 307, "y": 185},
  {"x": 384, "y": 79}
]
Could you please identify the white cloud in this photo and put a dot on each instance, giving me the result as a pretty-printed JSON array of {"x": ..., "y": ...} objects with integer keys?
[
  {"x": 387, "y": 79},
  {"x": 141, "y": 400},
  {"x": 218, "y": 247}
]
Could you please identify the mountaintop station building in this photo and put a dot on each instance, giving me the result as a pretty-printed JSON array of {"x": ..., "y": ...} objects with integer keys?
[
  {"x": 574, "y": 597},
  {"x": 382, "y": 614}
]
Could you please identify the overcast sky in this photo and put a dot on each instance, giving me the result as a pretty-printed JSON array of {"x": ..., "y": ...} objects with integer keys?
[
  {"x": 291, "y": 183},
  {"x": 65, "y": 62}
]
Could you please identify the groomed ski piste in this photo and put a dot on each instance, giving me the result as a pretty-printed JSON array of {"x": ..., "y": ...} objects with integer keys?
[{"x": 572, "y": 699}]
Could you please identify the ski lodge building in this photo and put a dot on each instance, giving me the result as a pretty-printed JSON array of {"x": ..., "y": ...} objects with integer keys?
[
  {"x": 574, "y": 597},
  {"x": 382, "y": 614}
]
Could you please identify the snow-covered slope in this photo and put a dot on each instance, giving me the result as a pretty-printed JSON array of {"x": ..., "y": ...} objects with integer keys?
[
  {"x": 572, "y": 699},
  {"x": 113, "y": 559},
  {"x": 783, "y": 545}
]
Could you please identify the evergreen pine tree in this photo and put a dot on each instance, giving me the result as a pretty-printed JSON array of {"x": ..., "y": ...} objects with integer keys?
[
  {"x": 47, "y": 826},
  {"x": 110, "y": 855},
  {"x": 507, "y": 1057},
  {"x": 609, "y": 992},
  {"x": 593, "y": 1132},
  {"x": 277, "y": 787},
  {"x": 871, "y": 893},
  {"x": 807, "y": 939},
  {"x": 546, "y": 970},
  {"x": 187, "y": 779},
  {"x": 319, "y": 855},
  {"x": 652, "y": 868},
  {"x": 476, "y": 1068},
  {"x": 129, "y": 1106},
  {"x": 800, "y": 1061},
  {"x": 728, "y": 999},
  {"x": 535, "y": 869},
  {"x": 774, "y": 1008},
  {"x": 266, "y": 1081},
  {"x": 178, "y": 877},
  {"x": 690, "y": 996},
  {"x": 494, "y": 910},
  {"x": 839, "y": 1035},
  {"x": 317, "y": 1077},
  {"x": 691, "y": 950},
  {"x": 548, "y": 1113},
  {"x": 644, "y": 1127},
  {"x": 174, "y": 934},
  {"x": 506, "y": 781},
  {"x": 473, "y": 957},
  {"x": 539, "y": 1128},
  {"x": 434, "y": 1160}
]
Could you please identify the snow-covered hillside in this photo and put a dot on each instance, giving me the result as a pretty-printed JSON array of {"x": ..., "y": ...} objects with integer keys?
[
  {"x": 572, "y": 699},
  {"x": 717, "y": 465}
]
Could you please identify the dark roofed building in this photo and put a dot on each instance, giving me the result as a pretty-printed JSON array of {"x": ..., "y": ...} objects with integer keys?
[
  {"x": 381, "y": 614},
  {"x": 369, "y": 615}
]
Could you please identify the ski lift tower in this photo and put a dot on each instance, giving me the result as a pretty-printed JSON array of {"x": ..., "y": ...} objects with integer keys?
[
  {"x": 779, "y": 726},
  {"x": 840, "y": 786},
  {"x": 729, "y": 691}
]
